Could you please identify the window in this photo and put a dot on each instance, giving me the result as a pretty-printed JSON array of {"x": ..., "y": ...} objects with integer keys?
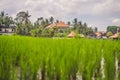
[
  {"x": 6, "y": 30},
  {"x": 12, "y": 30}
]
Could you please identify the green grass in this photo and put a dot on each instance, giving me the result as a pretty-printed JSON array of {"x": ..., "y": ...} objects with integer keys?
[{"x": 23, "y": 58}]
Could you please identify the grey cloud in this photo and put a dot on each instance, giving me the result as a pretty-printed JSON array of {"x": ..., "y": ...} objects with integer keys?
[
  {"x": 65, "y": 9},
  {"x": 108, "y": 8}
]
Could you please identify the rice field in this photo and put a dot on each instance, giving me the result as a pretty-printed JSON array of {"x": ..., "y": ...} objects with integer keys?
[{"x": 27, "y": 58}]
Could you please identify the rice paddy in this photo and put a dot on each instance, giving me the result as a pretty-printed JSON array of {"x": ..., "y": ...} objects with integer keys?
[{"x": 27, "y": 58}]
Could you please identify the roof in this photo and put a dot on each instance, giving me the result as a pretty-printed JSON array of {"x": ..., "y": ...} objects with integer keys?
[
  {"x": 62, "y": 25},
  {"x": 1, "y": 26},
  {"x": 98, "y": 34},
  {"x": 58, "y": 25},
  {"x": 51, "y": 26},
  {"x": 72, "y": 34},
  {"x": 114, "y": 36}
]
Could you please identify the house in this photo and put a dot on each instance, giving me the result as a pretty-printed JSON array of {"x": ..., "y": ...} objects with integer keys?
[
  {"x": 72, "y": 34},
  {"x": 115, "y": 36},
  {"x": 99, "y": 35},
  {"x": 6, "y": 30},
  {"x": 60, "y": 26}
]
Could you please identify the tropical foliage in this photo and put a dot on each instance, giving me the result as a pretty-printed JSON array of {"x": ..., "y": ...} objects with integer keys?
[
  {"x": 113, "y": 29},
  {"x": 38, "y": 28}
]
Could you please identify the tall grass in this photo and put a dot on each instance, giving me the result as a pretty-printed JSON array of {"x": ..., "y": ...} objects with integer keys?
[{"x": 27, "y": 58}]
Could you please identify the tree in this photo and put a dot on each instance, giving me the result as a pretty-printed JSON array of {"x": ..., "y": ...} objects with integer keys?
[
  {"x": 37, "y": 23},
  {"x": 47, "y": 21},
  {"x": 34, "y": 32},
  {"x": 57, "y": 21},
  {"x": 109, "y": 34},
  {"x": 51, "y": 19},
  {"x": 112, "y": 29},
  {"x": 96, "y": 29},
  {"x": 75, "y": 24},
  {"x": 85, "y": 29},
  {"x": 5, "y": 19},
  {"x": 75, "y": 21},
  {"x": 69, "y": 23},
  {"x": 39, "y": 20},
  {"x": 80, "y": 27},
  {"x": 2, "y": 17},
  {"x": 23, "y": 18}
]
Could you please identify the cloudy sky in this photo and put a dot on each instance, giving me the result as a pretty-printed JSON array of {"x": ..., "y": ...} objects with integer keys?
[{"x": 97, "y": 13}]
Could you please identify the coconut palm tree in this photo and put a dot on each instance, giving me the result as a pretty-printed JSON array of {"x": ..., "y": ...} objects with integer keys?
[
  {"x": 2, "y": 16},
  {"x": 5, "y": 19},
  {"x": 75, "y": 21},
  {"x": 23, "y": 18},
  {"x": 51, "y": 19}
]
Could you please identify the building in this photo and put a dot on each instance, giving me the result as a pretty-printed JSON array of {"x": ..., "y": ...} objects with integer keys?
[
  {"x": 72, "y": 34},
  {"x": 115, "y": 36},
  {"x": 99, "y": 35},
  {"x": 6, "y": 30},
  {"x": 59, "y": 26}
]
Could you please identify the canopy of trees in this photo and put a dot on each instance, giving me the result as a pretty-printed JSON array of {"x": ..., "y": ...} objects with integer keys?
[
  {"x": 113, "y": 29},
  {"x": 25, "y": 27},
  {"x": 5, "y": 19}
]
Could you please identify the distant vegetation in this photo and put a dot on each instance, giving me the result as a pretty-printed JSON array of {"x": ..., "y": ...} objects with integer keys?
[
  {"x": 23, "y": 25},
  {"x": 113, "y": 29}
]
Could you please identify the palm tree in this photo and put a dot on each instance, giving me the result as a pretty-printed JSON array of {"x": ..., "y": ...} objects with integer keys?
[
  {"x": 5, "y": 19},
  {"x": 51, "y": 19},
  {"x": 23, "y": 18},
  {"x": 75, "y": 24},
  {"x": 69, "y": 23},
  {"x": 47, "y": 21},
  {"x": 75, "y": 21},
  {"x": 96, "y": 29},
  {"x": 57, "y": 21},
  {"x": 2, "y": 15},
  {"x": 80, "y": 27},
  {"x": 39, "y": 20}
]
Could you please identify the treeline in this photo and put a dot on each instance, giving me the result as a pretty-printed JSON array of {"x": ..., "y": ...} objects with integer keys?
[
  {"x": 23, "y": 25},
  {"x": 111, "y": 30}
]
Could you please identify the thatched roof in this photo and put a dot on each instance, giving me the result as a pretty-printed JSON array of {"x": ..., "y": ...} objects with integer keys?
[
  {"x": 98, "y": 34},
  {"x": 51, "y": 26},
  {"x": 114, "y": 36},
  {"x": 72, "y": 34}
]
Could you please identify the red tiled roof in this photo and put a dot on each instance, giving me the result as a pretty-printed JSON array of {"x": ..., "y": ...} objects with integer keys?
[
  {"x": 62, "y": 25},
  {"x": 58, "y": 25}
]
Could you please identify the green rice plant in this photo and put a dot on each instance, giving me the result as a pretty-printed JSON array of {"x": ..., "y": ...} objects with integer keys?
[
  {"x": 118, "y": 58},
  {"x": 109, "y": 55},
  {"x": 90, "y": 60},
  {"x": 27, "y": 58}
]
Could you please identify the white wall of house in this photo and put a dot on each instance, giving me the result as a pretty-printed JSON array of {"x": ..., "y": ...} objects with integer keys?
[{"x": 6, "y": 30}]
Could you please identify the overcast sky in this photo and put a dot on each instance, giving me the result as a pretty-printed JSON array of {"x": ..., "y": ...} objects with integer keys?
[{"x": 97, "y": 13}]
